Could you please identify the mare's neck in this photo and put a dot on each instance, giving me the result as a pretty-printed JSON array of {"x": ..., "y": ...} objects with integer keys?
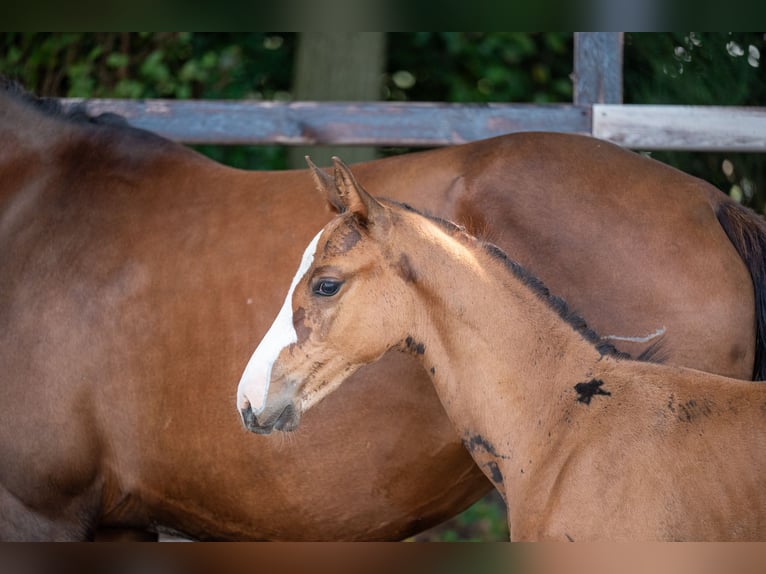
[{"x": 503, "y": 361}]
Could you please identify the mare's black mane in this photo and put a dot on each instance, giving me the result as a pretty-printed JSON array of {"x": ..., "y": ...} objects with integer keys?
[
  {"x": 54, "y": 108},
  {"x": 654, "y": 353}
]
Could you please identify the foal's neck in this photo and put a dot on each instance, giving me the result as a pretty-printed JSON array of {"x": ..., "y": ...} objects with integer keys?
[{"x": 504, "y": 362}]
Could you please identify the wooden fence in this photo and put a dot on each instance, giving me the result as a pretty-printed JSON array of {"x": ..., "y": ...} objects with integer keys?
[{"x": 597, "y": 110}]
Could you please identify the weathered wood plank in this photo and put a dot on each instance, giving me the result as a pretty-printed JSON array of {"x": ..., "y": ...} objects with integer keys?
[
  {"x": 598, "y": 68},
  {"x": 698, "y": 128},
  {"x": 314, "y": 123},
  {"x": 436, "y": 124}
]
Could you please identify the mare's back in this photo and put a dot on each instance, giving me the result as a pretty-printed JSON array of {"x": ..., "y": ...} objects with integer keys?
[{"x": 53, "y": 160}]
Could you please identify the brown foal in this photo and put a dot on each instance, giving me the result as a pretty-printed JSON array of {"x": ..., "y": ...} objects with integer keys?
[{"x": 582, "y": 442}]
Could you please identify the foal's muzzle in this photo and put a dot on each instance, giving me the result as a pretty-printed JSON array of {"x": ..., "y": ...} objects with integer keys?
[{"x": 285, "y": 419}]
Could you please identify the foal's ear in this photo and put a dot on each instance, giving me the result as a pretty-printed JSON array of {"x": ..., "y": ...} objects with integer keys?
[
  {"x": 353, "y": 195},
  {"x": 325, "y": 184}
]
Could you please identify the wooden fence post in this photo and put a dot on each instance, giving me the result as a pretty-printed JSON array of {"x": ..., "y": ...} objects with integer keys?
[{"x": 598, "y": 68}]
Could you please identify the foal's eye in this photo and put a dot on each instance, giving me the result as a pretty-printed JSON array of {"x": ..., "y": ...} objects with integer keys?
[{"x": 327, "y": 287}]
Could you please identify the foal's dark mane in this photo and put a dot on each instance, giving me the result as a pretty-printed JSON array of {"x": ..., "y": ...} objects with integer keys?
[
  {"x": 53, "y": 107},
  {"x": 654, "y": 353}
]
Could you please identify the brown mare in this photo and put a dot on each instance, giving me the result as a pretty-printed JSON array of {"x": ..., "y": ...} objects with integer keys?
[
  {"x": 136, "y": 278},
  {"x": 582, "y": 442}
]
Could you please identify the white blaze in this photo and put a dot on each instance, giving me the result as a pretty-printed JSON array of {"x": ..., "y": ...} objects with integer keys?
[{"x": 254, "y": 384}]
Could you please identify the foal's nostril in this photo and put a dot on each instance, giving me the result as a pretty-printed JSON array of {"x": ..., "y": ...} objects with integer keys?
[{"x": 286, "y": 420}]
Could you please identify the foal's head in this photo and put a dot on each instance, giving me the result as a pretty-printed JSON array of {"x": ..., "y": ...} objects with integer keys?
[{"x": 343, "y": 310}]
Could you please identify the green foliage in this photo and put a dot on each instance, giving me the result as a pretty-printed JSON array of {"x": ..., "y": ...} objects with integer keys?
[
  {"x": 485, "y": 521},
  {"x": 480, "y": 66},
  {"x": 694, "y": 68},
  {"x": 150, "y": 65},
  {"x": 158, "y": 65}
]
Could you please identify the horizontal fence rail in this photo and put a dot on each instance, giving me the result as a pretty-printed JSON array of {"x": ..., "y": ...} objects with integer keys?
[
  {"x": 697, "y": 128},
  {"x": 338, "y": 123},
  {"x": 415, "y": 124}
]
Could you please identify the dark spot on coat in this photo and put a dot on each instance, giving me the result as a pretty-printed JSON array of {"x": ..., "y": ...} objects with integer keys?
[
  {"x": 433, "y": 370},
  {"x": 405, "y": 269},
  {"x": 569, "y": 537},
  {"x": 692, "y": 410},
  {"x": 671, "y": 408},
  {"x": 344, "y": 240},
  {"x": 494, "y": 472},
  {"x": 588, "y": 390},
  {"x": 351, "y": 238},
  {"x": 414, "y": 347},
  {"x": 478, "y": 442},
  {"x": 315, "y": 366},
  {"x": 299, "y": 322}
]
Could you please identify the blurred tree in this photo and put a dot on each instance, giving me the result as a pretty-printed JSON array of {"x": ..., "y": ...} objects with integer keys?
[{"x": 337, "y": 66}]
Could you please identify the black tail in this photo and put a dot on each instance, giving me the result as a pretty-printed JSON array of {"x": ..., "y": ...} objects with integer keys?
[{"x": 747, "y": 232}]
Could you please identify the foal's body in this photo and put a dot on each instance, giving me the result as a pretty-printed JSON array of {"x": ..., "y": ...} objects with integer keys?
[
  {"x": 582, "y": 443},
  {"x": 664, "y": 454},
  {"x": 668, "y": 455}
]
